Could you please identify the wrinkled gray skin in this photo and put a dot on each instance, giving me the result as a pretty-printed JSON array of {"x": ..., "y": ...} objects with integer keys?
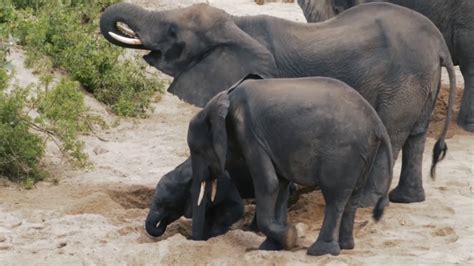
[
  {"x": 294, "y": 130},
  {"x": 389, "y": 54},
  {"x": 172, "y": 199},
  {"x": 455, "y": 20}
]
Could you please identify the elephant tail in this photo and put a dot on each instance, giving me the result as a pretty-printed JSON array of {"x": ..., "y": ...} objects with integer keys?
[
  {"x": 383, "y": 200},
  {"x": 440, "y": 148},
  {"x": 379, "y": 208}
]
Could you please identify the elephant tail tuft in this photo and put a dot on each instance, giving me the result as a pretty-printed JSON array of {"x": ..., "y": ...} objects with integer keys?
[{"x": 439, "y": 152}]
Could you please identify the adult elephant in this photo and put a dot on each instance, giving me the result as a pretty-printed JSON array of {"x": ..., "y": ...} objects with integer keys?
[
  {"x": 389, "y": 54},
  {"x": 455, "y": 20}
]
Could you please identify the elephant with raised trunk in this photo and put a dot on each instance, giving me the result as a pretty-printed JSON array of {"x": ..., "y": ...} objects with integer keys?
[
  {"x": 310, "y": 131},
  {"x": 455, "y": 20},
  {"x": 391, "y": 55}
]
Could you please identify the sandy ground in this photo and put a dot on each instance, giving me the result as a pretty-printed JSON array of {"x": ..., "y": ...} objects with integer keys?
[{"x": 96, "y": 216}]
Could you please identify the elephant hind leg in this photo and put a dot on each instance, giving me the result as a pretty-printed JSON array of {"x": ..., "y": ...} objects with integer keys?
[
  {"x": 328, "y": 239},
  {"x": 410, "y": 187},
  {"x": 337, "y": 185}
]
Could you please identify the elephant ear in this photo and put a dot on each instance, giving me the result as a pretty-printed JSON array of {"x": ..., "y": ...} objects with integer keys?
[
  {"x": 236, "y": 55},
  {"x": 218, "y": 108}
]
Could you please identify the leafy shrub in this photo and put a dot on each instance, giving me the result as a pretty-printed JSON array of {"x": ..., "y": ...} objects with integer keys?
[
  {"x": 63, "y": 115},
  {"x": 61, "y": 34},
  {"x": 20, "y": 150},
  {"x": 67, "y": 33}
]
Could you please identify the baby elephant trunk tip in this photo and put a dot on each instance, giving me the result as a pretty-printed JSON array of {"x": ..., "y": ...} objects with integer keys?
[{"x": 153, "y": 226}]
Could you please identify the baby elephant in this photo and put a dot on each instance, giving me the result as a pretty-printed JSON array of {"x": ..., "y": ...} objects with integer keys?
[{"x": 310, "y": 131}]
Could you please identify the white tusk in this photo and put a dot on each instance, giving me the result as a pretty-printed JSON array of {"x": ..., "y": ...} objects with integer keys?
[
  {"x": 132, "y": 41},
  {"x": 125, "y": 29},
  {"x": 214, "y": 190},
  {"x": 201, "y": 192}
]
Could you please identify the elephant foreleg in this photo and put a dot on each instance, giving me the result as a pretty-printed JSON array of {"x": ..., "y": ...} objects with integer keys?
[
  {"x": 281, "y": 207},
  {"x": 267, "y": 185},
  {"x": 410, "y": 186},
  {"x": 281, "y": 213}
]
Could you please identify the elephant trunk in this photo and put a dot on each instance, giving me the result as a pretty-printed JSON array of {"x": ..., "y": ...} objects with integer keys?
[
  {"x": 155, "y": 226},
  {"x": 199, "y": 209},
  {"x": 119, "y": 34}
]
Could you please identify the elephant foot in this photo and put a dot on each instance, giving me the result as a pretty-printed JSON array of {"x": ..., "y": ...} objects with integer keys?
[
  {"x": 287, "y": 242},
  {"x": 346, "y": 243},
  {"x": 270, "y": 244},
  {"x": 320, "y": 248},
  {"x": 407, "y": 195}
]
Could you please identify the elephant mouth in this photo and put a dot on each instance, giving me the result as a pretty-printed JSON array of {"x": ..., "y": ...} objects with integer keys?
[
  {"x": 153, "y": 57},
  {"x": 128, "y": 36}
]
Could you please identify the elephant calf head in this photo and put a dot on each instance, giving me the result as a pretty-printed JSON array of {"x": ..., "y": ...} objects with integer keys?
[
  {"x": 200, "y": 46},
  {"x": 172, "y": 200}
]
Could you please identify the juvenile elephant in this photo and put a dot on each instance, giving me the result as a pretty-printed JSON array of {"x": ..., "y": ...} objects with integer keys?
[
  {"x": 389, "y": 54},
  {"x": 455, "y": 20},
  {"x": 172, "y": 199},
  {"x": 311, "y": 131}
]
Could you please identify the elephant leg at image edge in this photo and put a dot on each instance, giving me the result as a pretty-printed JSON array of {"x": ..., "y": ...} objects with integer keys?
[
  {"x": 466, "y": 114},
  {"x": 410, "y": 187}
]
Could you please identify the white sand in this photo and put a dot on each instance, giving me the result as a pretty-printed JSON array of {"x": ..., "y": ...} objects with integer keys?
[{"x": 96, "y": 216}]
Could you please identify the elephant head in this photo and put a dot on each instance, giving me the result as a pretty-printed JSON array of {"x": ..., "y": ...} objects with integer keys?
[
  {"x": 172, "y": 200},
  {"x": 200, "y": 46}
]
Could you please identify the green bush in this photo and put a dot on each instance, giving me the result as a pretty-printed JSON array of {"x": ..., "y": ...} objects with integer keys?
[
  {"x": 63, "y": 113},
  {"x": 20, "y": 149},
  {"x": 61, "y": 34},
  {"x": 68, "y": 34}
]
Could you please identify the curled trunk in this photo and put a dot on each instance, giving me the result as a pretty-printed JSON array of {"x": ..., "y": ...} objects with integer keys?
[
  {"x": 131, "y": 15},
  {"x": 155, "y": 226}
]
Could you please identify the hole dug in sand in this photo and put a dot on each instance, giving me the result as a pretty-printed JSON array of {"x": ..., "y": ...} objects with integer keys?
[{"x": 136, "y": 197}]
